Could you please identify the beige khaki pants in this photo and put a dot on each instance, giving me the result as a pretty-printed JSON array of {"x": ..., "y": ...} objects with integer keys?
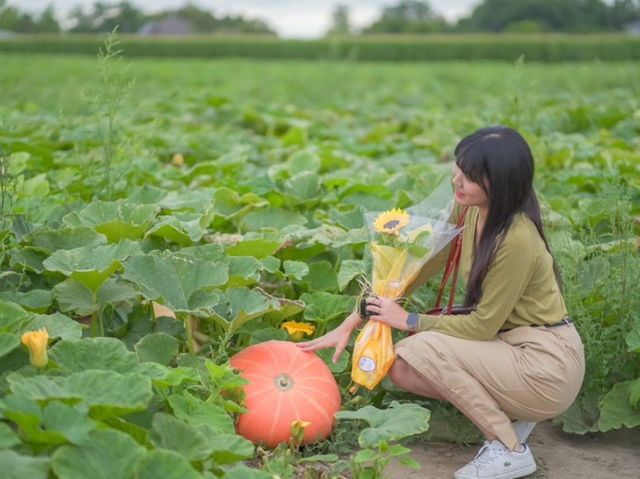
[{"x": 526, "y": 373}]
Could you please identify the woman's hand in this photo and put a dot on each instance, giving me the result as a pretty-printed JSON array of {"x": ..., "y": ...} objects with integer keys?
[
  {"x": 337, "y": 338},
  {"x": 387, "y": 311}
]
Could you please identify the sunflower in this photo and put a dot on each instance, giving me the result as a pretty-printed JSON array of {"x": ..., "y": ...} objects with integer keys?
[{"x": 391, "y": 222}]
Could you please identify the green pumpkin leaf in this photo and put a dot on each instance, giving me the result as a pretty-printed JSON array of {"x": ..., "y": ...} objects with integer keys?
[
  {"x": 391, "y": 424},
  {"x": 321, "y": 277},
  {"x": 169, "y": 432},
  {"x": 183, "y": 233},
  {"x": 343, "y": 363},
  {"x": 258, "y": 248},
  {"x": 107, "y": 354},
  {"x": 243, "y": 270},
  {"x": 323, "y": 307},
  {"x": 108, "y": 454},
  {"x": 227, "y": 448},
  {"x": 91, "y": 265},
  {"x": 8, "y": 438},
  {"x": 12, "y": 316},
  {"x": 295, "y": 136},
  {"x": 276, "y": 218},
  {"x": 115, "y": 220},
  {"x": 75, "y": 296},
  {"x": 106, "y": 392},
  {"x": 244, "y": 472},
  {"x": 634, "y": 392},
  {"x": 350, "y": 269},
  {"x": 270, "y": 264},
  {"x": 196, "y": 200},
  {"x": 230, "y": 205},
  {"x": 177, "y": 281},
  {"x": 288, "y": 308},
  {"x": 148, "y": 195},
  {"x": 157, "y": 347},
  {"x": 68, "y": 421},
  {"x": 633, "y": 340},
  {"x": 29, "y": 258},
  {"x": 199, "y": 413},
  {"x": 616, "y": 409},
  {"x": 167, "y": 465},
  {"x": 349, "y": 220},
  {"x": 8, "y": 342},
  {"x": 243, "y": 305},
  {"x": 17, "y": 466},
  {"x": 57, "y": 325},
  {"x": 295, "y": 269},
  {"x": 304, "y": 161},
  {"x": 35, "y": 187},
  {"x": 36, "y": 299},
  {"x": 304, "y": 187}
]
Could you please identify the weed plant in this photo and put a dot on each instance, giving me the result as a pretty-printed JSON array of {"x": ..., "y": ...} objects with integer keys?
[
  {"x": 601, "y": 290},
  {"x": 114, "y": 86}
]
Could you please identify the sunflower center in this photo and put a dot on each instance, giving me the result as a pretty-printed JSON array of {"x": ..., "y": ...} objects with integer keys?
[
  {"x": 284, "y": 382},
  {"x": 391, "y": 224}
]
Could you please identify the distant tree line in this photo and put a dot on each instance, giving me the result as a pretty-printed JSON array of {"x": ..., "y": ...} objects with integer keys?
[
  {"x": 403, "y": 17},
  {"x": 524, "y": 16},
  {"x": 104, "y": 17}
]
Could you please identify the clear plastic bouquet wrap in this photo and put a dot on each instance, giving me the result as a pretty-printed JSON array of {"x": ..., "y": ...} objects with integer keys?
[{"x": 402, "y": 241}]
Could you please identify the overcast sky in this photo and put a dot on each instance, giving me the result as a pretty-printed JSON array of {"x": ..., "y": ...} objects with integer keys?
[{"x": 290, "y": 18}]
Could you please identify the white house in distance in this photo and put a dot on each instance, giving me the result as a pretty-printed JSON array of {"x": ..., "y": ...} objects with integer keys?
[
  {"x": 172, "y": 25},
  {"x": 633, "y": 28}
]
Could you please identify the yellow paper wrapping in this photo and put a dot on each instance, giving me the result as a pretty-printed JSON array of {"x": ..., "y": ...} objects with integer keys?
[{"x": 373, "y": 354}]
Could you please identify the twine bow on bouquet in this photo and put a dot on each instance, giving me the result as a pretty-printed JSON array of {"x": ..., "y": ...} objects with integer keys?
[{"x": 401, "y": 243}]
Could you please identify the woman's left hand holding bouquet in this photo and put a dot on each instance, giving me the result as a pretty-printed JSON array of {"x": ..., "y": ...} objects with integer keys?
[
  {"x": 387, "y": 311},
  {"x": 337, "y": 338}
]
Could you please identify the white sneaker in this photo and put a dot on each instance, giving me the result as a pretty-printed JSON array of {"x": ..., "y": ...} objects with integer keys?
[
  {"x": 523, "y": 429},
  {"x": 495, "y": 461}
]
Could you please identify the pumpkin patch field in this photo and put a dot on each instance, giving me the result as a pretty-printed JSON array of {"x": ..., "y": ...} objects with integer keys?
[{"x": 161, "y": 217}]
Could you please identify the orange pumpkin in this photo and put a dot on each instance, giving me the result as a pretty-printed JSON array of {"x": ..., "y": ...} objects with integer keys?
[{"x": 285, "y": 385}]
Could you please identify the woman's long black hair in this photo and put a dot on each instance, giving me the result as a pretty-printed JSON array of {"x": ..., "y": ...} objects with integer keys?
[{"x": 500, "y": 161}]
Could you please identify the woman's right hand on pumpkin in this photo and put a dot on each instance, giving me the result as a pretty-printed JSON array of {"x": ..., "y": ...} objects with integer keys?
[{"x": 337, "y": 338}]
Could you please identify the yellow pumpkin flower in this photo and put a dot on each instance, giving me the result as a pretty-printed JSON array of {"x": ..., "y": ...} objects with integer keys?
[
  {"x": 391, "y": 222},
  {"x": 297, "y": 330},
  {"x": 36, "y": 343},
  {"x": 177, "y": 159},
  {"x": 297, "y": 431}
]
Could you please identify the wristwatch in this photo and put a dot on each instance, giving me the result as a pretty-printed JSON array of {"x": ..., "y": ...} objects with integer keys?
[{"x": 413, "y": 321}]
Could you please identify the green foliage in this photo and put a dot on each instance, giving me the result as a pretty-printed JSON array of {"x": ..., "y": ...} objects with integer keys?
[
  {"x": 507, "y": 47},
  {"x": 261, "y": 221},
  {"x": 394, "y": 423},
  {"x": 552, "y": 15}
]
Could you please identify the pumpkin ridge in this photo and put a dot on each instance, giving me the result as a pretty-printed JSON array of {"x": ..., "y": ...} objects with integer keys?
[
  {"x": 262, "y": 391},
  {"x": 321, "y": 410},
  {"x": 279, "y": 367},
  {"x": 257, "y": 365},
  {"x": 318, "y": 392},
  {"x": 292, "y": 363},
  {"x": 276, "y": 413},
  {"x": 302, "y": 367}
]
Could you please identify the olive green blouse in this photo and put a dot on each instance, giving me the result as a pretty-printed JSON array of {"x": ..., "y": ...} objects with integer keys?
[{"x": 520, "y": 288}]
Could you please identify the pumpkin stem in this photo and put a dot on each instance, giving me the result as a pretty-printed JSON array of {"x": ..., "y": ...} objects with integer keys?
[{"x": 284, "y": 382}]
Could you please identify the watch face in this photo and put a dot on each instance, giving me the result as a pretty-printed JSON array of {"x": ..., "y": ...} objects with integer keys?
[{"x": 412, "y": 320}]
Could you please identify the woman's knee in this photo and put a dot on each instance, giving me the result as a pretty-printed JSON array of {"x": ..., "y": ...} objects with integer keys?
[
  {"x": 398, "y": 371},
  {"x": 402, "y": 374}
]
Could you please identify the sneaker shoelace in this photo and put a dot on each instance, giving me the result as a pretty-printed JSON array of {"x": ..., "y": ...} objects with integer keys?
[{"x": 488, "y": 454}]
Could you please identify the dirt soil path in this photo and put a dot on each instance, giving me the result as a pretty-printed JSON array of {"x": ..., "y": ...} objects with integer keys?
[{"x": 613, "y": 455}]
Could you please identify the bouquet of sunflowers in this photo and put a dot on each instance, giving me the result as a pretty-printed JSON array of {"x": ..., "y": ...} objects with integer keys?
[{"x": 402, "y": 242}]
